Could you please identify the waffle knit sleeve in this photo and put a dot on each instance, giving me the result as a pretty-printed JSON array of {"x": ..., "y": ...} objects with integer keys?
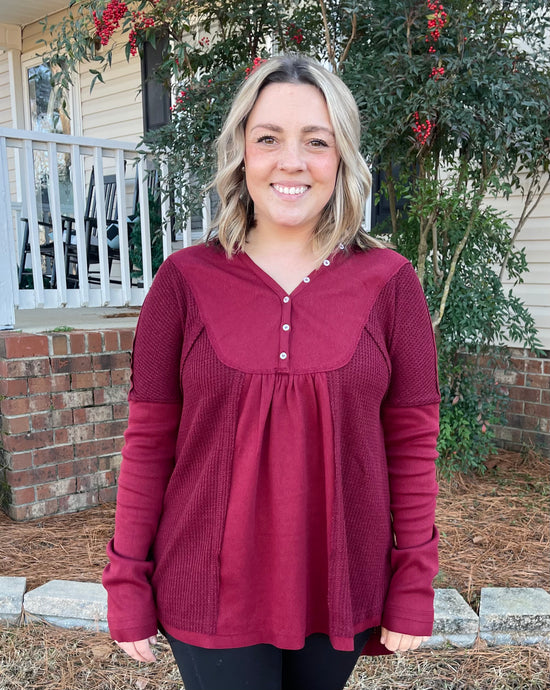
[
  {"x": 410, "y": 419},
  {"x": 148, "y": 457}
]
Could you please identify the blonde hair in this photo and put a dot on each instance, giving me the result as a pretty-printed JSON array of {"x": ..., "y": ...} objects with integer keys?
[{"x": 342, "y": 218}]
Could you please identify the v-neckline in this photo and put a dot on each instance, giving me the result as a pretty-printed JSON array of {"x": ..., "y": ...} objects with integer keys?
[{"x": 271, "y": 282}]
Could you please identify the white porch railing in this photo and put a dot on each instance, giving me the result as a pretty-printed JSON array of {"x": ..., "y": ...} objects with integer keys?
[{"x": 18, "y": 200}]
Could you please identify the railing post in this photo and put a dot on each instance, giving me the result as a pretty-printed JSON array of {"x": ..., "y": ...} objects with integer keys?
[{"x": 8, "y": 262}]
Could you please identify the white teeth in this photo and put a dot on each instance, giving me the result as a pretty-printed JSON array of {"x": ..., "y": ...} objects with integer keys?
[{"x": 289, "y": 190}]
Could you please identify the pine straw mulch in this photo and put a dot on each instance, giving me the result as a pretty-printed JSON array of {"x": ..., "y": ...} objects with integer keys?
[{"x": 494, "y": 532}]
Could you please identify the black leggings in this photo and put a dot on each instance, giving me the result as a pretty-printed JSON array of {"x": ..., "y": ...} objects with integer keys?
[{"x": 318, "y": 666}]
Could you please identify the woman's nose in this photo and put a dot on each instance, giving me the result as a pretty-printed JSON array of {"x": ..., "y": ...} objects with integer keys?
[{"x": 290, "y": 157}]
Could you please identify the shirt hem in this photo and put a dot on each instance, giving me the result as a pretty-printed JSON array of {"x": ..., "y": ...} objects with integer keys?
[{"x": 342, "y": 643}]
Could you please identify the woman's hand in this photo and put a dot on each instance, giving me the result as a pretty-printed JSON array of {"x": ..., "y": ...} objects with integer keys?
[
  {"x": 397, "y": 642},
  {"x": 140, "y": 650}
]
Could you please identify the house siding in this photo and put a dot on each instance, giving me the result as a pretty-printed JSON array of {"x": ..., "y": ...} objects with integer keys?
[
  {"x": 111, "y": 110},
  {"x": 535, "y": 239}
]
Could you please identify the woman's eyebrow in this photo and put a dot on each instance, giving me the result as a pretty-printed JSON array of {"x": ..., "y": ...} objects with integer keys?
[{"x": 308, "y": 129}]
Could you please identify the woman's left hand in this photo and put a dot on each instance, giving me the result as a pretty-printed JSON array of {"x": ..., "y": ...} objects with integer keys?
[{"x": 398, "y": 642}]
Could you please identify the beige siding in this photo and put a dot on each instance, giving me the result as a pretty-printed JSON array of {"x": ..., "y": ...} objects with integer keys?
[
  {"x": 535, "y": 238},
  {"x": 112, "y": 110}
]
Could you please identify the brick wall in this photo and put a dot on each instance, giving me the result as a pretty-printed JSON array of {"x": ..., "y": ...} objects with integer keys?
[
  {"x": 63, "y": 411},
  {"x": 527, "y": 384}
]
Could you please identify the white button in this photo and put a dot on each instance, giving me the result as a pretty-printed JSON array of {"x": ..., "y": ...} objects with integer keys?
[
  {"x": 283, "y": 355},
  {"x": 342, "y": 246},
  {"x": 286, "y": 327},
  {"x": 306, "y": 279},
  {"x": 286, "y": 299},
  {"x": 326, "y": 262}
]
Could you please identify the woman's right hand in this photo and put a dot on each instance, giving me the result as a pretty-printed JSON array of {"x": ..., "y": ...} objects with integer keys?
[{"x": 140, "y": 650}]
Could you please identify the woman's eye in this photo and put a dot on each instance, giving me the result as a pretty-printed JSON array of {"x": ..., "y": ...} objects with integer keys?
[
  {"x": 318, "y": 143},
  {"x": 266, "y": 139}
]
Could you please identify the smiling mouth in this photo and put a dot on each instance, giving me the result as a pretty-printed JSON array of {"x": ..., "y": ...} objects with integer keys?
[{"x": 290, "y": 191}]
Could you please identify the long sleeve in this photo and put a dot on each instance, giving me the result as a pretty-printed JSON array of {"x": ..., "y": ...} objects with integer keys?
[
  {"x": 410, "y": 419},
  {"x": 148, "y": 458}
]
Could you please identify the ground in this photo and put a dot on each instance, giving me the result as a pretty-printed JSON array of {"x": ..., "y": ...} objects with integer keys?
[{"x": 494, "y": 532}]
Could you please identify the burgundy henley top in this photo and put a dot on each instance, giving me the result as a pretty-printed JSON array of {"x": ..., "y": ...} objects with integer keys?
[{"x": 278, "y": 474}]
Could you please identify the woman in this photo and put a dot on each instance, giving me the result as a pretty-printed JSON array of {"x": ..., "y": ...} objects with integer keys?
[{"x": 275, "y": 513}]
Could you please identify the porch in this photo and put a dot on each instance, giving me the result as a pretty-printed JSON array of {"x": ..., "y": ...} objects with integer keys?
[{"x": 76, "y": 230}]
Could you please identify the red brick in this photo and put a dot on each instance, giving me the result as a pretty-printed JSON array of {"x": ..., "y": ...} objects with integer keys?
[
  {"x": 109, "y": 462},
  {"x": 46, "y": 384},
  {"x": 93, "y": 414},
  {"x": 42, "y": 420},
  {"x": 67, "y": 364},
  {"x": 81, "y": 432},
  {"x": 547, "y": 366},
  {"x": 25, "y": 368},
  {"x": 109, "y": 429},
  {"x": 108, "y": 494},
  {"x": 28, "y": 441},
  {"x": 518, "y": 363},
  {"x": 534, "y": 366},
  {"x": 62, "y": 418},
  {"x": 59, "y": 344},
  {"x": 119, "y": 443},
  {"x": 111, "y": 394},
  {"x": 527, "y": 394},
  {"x": 20, "y": 461},
  {"x": 15, "y": 425},
  {"x": 60, "y": 436},
  {"x": 94, "y": 342},
  {"x": 536, "y": 410},
  {"x": 11, "y": 388},
  {"x": 40, "y": 385},
  {"x": 20, "y": 345},
  {"x": 115, "y": 360},
  {"x": 78, "y": 342},
  {"x": 14, "y": 406},
  {"x": 515, "y": 407},
  {"x": 120, "y": 411},
  {"x": 72, "y": 399},
  {"x": 52, "y": 455},
  {"x": 76, "y": 502},
  {"x": 537, "y": 381},
  {"x": 120, "y": 377},
  {"x": 110, "y": 338},
  {"x": 61, "y": 487},
  {"x": 126, "y": 339},
  {"x": 94, "y": 448},
  {"x": 90, "y": 380},
  {"x": 37, "y": 403},
  {"x": 31, "y": 477},
  {"x": 21, "y": 496},
  {"x": 85, "y": 466},
  {"x": 62, "y": 382},
  {"x": 545, "y": 397}
]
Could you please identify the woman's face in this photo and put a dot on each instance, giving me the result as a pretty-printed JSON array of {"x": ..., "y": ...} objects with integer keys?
[{"x": 290, "y": 158}]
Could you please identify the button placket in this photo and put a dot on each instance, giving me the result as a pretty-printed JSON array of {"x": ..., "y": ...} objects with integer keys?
[{"x": 284, "y": 334}]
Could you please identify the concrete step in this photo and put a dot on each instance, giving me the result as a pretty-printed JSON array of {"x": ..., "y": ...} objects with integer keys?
[
  {"x": 507, "y": 616},
  {"x": 518, "y": 615},
  {"x": 12, "y": 590},
  {"x": 69, "y": 604}
]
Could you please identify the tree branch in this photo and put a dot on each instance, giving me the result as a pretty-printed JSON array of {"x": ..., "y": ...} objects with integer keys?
[
  {"x": 330, "y": 48},
  {"x": 350, "y": 40}
]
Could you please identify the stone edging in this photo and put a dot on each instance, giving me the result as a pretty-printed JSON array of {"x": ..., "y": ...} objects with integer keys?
[{"x": 506, "y": 615}]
